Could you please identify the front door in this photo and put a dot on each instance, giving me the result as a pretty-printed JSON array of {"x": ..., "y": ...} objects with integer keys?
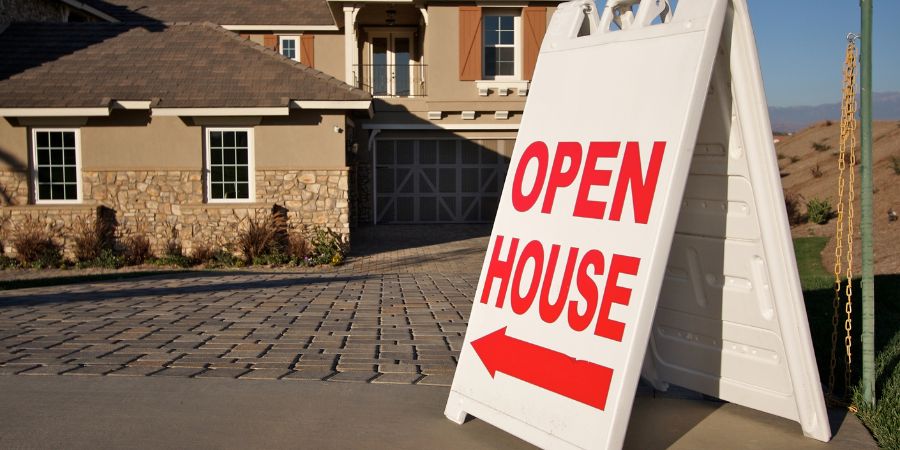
[{"x": 391, "y": 63}]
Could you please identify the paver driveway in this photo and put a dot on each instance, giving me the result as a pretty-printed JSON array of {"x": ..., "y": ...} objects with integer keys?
[{"x": 403, "y": 325}]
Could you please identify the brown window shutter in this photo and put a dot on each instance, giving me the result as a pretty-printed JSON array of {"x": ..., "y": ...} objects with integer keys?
[
  {"x": 308, "y": 50},
  {"x": 270, "y": 41},
  {"x": 470, "y": 43},
  {"x": 535, "y": 25}
]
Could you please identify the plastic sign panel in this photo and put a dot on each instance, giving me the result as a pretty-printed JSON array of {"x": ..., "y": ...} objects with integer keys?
[
  {"x": 565, "y": 305},
  {"x": 730, "y": 320}
]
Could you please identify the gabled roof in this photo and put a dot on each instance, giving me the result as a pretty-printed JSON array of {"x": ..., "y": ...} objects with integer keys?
[
  {"x": 221, "y": 12},
  {"x": 174, "y": 66}
]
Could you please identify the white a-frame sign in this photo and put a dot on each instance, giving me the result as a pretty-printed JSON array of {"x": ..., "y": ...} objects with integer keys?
[{"x": 642, "y": 224}]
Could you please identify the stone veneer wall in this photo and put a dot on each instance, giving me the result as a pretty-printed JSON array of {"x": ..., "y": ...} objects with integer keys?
[
  {"x": 158, "y": 202},
  {"x": 363, "y": 195}
]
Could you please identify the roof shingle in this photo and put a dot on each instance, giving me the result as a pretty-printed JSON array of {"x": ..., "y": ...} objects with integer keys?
[
  {"x": 222, "y": 12},
  {"x": 176, "y": 66}
]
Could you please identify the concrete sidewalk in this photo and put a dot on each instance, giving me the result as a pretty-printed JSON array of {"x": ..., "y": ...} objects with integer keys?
[{"x": 151, "y": 412}]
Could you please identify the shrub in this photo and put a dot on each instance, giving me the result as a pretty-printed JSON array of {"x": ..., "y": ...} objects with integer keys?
[
  {"x": 215, "y": 257},
  {"x": 792, "y": 206},
  {"x": 136, "y": 249},
  {"x": 172, "y": 260},
  {"x": 203, "y": 253},
  {"x": 36, "y": 247},
  {"x": 819, "y": 211},
  {"x": 297, "y": 247},
  {"x": 173, "y": 245},
  {"x": 8, "y": 263},
  {"x": 781, "y": 156},
  {"x": 895, "y": 164},
  {"x": 327, "y": 247},
  {"x": 96, "y": 238},
  {"x": 821, "y": 146},
  {"x": 224, "y": 258},
  {"x": 257, "y": 239},
  {"x": 794, "y": 159},
  {"x": 107, "y": 259},
  {"x": 816, "y": 171}
]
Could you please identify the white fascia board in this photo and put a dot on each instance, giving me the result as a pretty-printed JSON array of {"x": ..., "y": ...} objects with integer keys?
[
  {"x": 280, "y": 27},
  {"x": 131, "y": 104},
  {"x": 327, "y": 104},
  {"x": 54, "y": 112},
  {"x": 90, "y": 9},
  {"x": 221, "y": 112},
  {"x": 447, "y": 126}
]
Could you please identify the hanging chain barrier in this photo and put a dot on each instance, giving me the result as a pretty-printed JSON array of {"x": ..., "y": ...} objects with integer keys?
[{"x": 847, "y": 156}]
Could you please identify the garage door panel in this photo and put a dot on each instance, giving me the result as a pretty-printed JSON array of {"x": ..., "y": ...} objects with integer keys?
[
  {"x": 405, "y": 182},
  {"x": 405, "y": 152},
  {"x": 428, "y": 208},
  {"x": 448, "y": 209},
  {"x": 448, "y": 181},
  {"x": 428, "y": 152},
  {"x": 384, "y": 151},
  {"x": 428, "y": 180},
  {"x": 470, "y": 180},
  {"x": 447, "y": 152}
]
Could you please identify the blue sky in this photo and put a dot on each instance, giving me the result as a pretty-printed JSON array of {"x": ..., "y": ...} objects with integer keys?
[
  {"x": 802, "y": 43},
  {"x": 801, "y": 47}
]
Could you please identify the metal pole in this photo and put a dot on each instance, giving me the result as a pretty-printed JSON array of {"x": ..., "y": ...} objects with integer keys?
[{"x": 868, "y": 280}]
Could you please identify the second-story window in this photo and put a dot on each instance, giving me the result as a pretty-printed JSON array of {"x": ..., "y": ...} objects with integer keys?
[
  {"x": 290, "y": 47},
  {"x": 499, "y": 45}
]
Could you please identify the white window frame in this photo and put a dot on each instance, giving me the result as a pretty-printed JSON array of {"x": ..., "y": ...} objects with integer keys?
[
  {"x": 518, "y": 52},
  {"x": 294, "y": 38},
  {"x": 251, "y": 166},
  {"x": 34, "y": 167}
]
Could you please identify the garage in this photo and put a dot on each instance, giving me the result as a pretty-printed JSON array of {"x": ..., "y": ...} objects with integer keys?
[{"x": 439, "y": 180}]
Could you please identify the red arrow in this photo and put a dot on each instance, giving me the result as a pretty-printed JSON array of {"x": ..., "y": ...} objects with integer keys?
[{"x": 557, "y": 372}]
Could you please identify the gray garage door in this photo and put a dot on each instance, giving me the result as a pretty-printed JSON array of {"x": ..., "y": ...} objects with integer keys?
[{"x": 439, "y": 180}]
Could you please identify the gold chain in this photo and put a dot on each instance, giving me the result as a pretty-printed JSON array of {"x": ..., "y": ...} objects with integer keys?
[{"x": 847, "y": 145}]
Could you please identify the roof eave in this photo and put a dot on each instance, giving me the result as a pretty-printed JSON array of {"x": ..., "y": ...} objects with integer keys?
[{"x": 55, "y": 112}]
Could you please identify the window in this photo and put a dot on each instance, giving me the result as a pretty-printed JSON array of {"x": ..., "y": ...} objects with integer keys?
[
  {"x": 499, "y": 45},
  {"x": 290, "y": 46},
  {"x": 229, "y": 159},
  {"x": 56, "y": 169}
]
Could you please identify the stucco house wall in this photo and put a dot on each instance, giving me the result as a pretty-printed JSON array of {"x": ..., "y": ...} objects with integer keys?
[{"x": 150, "y": 170}]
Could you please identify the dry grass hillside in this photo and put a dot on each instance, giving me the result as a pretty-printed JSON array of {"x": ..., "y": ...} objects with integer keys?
[{"x": 809, "y": 169}]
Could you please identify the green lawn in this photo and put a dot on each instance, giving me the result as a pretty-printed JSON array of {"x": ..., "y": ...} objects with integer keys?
[{"x": 884, "y": 418}]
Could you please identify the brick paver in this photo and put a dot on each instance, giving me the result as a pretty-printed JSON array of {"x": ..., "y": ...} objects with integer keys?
[
  {"x": 391, "y": 328},
  {"x": 395, "y": 313}
]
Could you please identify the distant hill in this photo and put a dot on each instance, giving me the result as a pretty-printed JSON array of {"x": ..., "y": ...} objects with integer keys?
[
  {"x": 809, "y": 170},
  {"x": 885, "y": 106}
]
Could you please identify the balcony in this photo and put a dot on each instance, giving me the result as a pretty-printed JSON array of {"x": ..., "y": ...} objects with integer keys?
[{"x": 391, "y": 80}]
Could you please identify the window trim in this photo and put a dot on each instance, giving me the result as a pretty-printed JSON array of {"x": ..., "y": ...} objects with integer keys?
[
  {"x": 295, "y": 38},
  {"x": 34, "y": 168},
  {"x": 518, "y": 50},
  {"x": 251, "y": 166}
]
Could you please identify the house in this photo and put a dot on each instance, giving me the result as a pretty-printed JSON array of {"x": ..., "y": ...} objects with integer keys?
[{"x": 345, "y": 113}]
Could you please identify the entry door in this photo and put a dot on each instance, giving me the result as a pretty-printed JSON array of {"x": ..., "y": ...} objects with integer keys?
[{"x": 391, "y": 68}]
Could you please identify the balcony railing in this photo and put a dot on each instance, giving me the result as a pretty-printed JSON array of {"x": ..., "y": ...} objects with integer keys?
[{"x": 392, "y": 80}]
